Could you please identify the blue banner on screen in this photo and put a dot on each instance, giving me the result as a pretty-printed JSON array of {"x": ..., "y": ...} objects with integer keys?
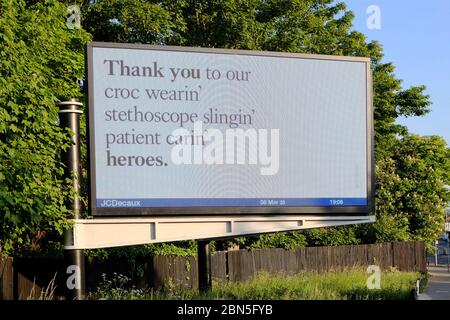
[{"x": 231, "y": 202}]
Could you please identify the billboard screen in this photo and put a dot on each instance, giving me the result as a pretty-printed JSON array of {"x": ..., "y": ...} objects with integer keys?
[{"x": 176, "y": 130}]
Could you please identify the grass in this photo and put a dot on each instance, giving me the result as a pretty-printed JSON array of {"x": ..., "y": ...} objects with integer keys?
[
  {"x": 47, "y": 293},
  {"x": 343, "y": 285}
]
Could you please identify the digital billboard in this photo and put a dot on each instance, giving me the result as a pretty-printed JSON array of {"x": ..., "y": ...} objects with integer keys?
[{"x": 177, "y": 130}]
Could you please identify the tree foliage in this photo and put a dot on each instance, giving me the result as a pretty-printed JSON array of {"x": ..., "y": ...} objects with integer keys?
[
  {"x": 418, "y": 172},
  {"x": 285, "y": 240},
  {"x": 40, "y": 62}
]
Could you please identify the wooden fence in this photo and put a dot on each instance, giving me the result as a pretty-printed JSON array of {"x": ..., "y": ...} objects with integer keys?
[{"x": 18, "y": 276}]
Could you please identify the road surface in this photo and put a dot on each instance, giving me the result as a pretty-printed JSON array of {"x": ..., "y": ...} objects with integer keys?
[{"x": 438, "y": 287}]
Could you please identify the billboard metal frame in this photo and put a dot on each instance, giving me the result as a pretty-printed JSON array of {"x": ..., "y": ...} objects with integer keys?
[
  {"x": 124, "y": 231},
  {"x": 229, "y": 210}
]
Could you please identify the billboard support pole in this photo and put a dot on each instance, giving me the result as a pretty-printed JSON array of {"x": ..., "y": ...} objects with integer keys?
[
  {"x": 69, "y": 118},
  {"x": 204, "y": 266}
]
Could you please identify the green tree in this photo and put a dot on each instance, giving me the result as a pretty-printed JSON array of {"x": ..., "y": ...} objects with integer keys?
[
  {"x": 332, "y": 236},
  {"x": 40, "y": 63},
  {"x": 411, "y": 188},
  {"x": 392, "y": 223},
  {"x": 285, "y": 240},
  {"x": 157, "y": 22}
]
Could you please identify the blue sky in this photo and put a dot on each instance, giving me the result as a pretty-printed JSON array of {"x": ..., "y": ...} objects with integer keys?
[{"x": 415, "y": 35}]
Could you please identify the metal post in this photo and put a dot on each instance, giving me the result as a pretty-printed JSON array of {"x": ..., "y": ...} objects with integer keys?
[
  {"x": 448, "y": 261},
  {"x": 436, "y": 247},
  {"x": 204, "y": 266},
  {"x": 69, "y": 117}
]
